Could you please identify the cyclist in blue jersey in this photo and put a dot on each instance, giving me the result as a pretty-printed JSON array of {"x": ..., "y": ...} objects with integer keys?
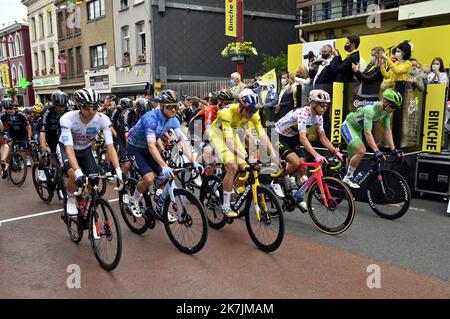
[{"x": 142, "y": 148}]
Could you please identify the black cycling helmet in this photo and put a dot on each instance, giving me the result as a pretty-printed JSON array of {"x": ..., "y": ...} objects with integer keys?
[
  {"x": 169, "y": 97},
  {"x": 7, "y": 102},
  {"x": 225, "y": 95},
  {"x": 59, "y": 98},
  {"x": 125, "y": 103},
  {"x": 87, "y": 96},
  {"x": 142, "y": 105}
]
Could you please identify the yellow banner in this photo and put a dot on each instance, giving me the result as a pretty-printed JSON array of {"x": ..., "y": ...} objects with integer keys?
[
  {"x": 231, "y": 18},
  {"x": 434, "y": 118},
  {"x": 294, "y": 56},
  {"x": 270, "y": 78},
  {"x": 5, "y": 75},
  {"x": 337, "y": 111}
]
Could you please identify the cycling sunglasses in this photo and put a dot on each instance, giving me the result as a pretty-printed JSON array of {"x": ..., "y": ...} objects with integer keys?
[
  {"x": 8, "y": 108},
  {"x": 251, "y": 111},
  {"x": 171, "y": 106},
  {"x": 88, "y": 106}
]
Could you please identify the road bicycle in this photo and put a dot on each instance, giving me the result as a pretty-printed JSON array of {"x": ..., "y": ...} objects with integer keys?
[
  {"x": 17, "y": 168},
  {"x": 330, "y": 203},
  {"x": 54, "y": 181},
  {"x": 265, "y": 225},
  {"x": 178, "y": 209},
  {"x": 96, "y": 216},
  {"x": 388, "y": 193}
]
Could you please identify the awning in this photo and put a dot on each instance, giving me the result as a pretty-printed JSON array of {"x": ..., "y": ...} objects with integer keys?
[{"x": 132, "y": 88}]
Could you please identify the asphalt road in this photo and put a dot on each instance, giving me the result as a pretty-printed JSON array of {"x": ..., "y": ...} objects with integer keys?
[{"x": 412, "y": 254}]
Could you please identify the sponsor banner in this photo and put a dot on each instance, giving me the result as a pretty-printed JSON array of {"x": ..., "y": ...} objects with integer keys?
[
  {"x": 337, "y": 111},
  {"x": 434, "y": 118},
  {"x": 231, "y": 18},
  {"x": 5, "y": 75}
]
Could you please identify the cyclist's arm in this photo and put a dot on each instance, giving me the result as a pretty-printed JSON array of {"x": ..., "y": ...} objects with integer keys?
[
  {"x": 227, "y": 132},
  {"x": 110, "y": 149},
  {"x": 389, "y": 138},
  {"x": 156, "y": 155},
  {"x": 370, "y": 140},
  {"x": 326, "y": 142},
  {"x": 29, "y": 131},
  {"x": 305, "y": 142}
]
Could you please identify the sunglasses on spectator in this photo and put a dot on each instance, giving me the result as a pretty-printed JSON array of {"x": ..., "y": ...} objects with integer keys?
[{"x": 88, "y": 106}]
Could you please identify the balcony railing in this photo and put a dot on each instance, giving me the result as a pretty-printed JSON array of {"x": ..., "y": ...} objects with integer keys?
[{"x": 328, "y": 10}]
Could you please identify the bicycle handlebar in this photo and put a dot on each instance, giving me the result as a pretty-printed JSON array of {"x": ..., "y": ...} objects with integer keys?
[
  {"x": 79, "y": 191},
  {"x": 257, "y": 167}
]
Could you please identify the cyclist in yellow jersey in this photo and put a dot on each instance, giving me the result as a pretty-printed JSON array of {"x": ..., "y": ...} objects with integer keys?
[{"x": 225, "y": 139}]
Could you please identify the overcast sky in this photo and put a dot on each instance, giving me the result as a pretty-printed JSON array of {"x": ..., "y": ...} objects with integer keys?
[{"x": 11, "y": 10}]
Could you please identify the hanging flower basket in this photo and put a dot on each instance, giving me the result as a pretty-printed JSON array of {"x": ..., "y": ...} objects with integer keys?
[{"x": 239, "y": 51}]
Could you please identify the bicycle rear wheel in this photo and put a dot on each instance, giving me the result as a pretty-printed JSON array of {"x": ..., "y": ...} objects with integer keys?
[
  {"x": 211, "y": 194},
  {"x": 267, "y": 232},
  {"x": 42, "y": 188},
  {"x": 135, "y": 224},
  {"x": 388, "y": 196},
  {"x": 337, "y": 216},
  {"x": 190, "y": 232},
  {"x": 17, "y": 170},
  {"x": 107, "y": 245}
]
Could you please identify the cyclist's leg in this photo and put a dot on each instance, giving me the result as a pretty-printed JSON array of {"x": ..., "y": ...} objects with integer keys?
[
  {"x": 145, "y": 166},
  {"x": 356, "y": 151}
]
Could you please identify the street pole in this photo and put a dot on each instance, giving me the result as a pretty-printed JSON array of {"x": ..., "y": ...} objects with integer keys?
[
  {"x": 240, "y": 33},
  {"x": 8, "y": 62}
]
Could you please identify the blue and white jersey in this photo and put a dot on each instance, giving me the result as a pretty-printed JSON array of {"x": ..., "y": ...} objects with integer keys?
[
  {"x": 80, "y": 135},
  {"x": 151, "y": 127}
]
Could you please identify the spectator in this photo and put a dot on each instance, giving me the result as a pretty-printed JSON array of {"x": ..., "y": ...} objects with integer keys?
[
  {"x": 288, "y": 97},
  {"x": 371, "y": 78},
  {"x": 437, "y": 74},
  {"x": 414, "y": 76},
  {"x": 320, "y": 71},
  {"x": 343, "y": 68},
  {"x": 424, "y": 71},
  {"x": 237, "y": 85},
  {"x": 302, "y": 76},
  {"x": 399, "y": 70}
]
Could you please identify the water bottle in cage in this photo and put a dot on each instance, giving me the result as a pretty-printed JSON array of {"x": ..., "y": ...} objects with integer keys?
[{"x": 82, "y": 203}]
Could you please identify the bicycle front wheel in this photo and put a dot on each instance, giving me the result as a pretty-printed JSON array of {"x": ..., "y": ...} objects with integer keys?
[
  {"x": 211, "y": 194},
  {"x": 105, "y": 235},
  {"x": 135, "y": 224},
  {"x": 42, "y": 188},
  {"x": 190, "y": 230},
  {"x": 389, "y": 195},
  {"x": 17, "y": 170},
  {"x": 267, "y": 230},
  {"x": 333, "y": 210}
]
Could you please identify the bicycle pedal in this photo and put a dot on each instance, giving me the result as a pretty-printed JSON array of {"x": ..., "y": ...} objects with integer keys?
[{"x": 229, "y": 220}]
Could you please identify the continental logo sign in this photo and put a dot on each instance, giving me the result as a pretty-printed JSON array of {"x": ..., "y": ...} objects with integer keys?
[
  {"x": 337, "y": 111},
  {"x": 231, "y": 18},
  {"x": 434, "y": 118}
]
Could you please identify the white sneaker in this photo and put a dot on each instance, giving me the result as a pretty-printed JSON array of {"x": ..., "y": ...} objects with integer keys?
[
  {"x": 276, "y": 189},
  {"x": 94, "y": 230},
  {"x": 125, "y": 199},
  {"x": 171, "y": 218},
  {"x": 135, "y": 208},
  {"x": 198, "y": 181},
  {"x": 72, "y": 209},
  {"x": 291, "y": 183},
  {"x": 41, "y": 176},
  {"x": 29, "y": 161},
  {"x": 303, "y": 206},
  {"x": 350, "y": 182}
]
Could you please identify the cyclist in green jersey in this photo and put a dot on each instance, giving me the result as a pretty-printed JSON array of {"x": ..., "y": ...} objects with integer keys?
[{"x": 362, "y": 121}]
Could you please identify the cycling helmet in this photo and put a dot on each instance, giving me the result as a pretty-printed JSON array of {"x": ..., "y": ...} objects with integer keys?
[
  {"x": 168, "y": 97},
  {"x": 225, "y": 95},
  {"x": 393, "y": 97},
  {"x": 249, "y": 100},
  {"x": 125, "y": 103},
  {"x": 142, "y": 105},
  {"x": 7, "y": 103},
  {"x": 59, "y": 99},
  {"x": 37, "y": 108},
  {"x": 87, "y": 96},
  {"x": 319, "y": 96}
]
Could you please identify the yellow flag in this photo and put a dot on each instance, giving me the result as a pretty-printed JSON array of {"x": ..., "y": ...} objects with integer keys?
[
  {"x": 269, "y": 78},
  {"x": 231, "y": 18},
  {"x": 5, "y": 75}
]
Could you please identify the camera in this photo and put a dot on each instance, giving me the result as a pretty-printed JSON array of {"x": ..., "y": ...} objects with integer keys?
[{"x": 310, "y": 56}]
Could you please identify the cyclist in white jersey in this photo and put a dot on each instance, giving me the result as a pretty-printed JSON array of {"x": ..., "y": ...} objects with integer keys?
[
  {"x": 304, "y": 124},
  {"x": 78, "y": 130}
]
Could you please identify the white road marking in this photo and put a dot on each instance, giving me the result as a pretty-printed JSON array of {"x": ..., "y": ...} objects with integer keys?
[{"x": 42, "y": 214}]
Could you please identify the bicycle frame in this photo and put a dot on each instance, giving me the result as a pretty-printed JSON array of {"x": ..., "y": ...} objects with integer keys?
[{"x": 317, "y": 175}]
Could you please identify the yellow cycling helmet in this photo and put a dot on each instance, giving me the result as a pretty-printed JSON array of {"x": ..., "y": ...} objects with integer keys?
[{"x": 37, "y": 108}]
